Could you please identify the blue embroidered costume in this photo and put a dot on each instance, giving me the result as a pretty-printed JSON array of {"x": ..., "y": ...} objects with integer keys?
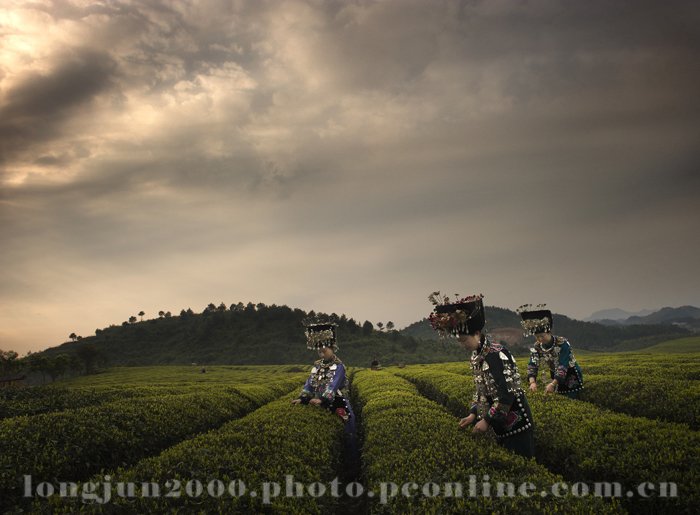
[{"x": 328, "y": 382}]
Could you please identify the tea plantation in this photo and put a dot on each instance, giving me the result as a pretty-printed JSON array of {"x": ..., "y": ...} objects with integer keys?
[{"x": 173, "y": 439}]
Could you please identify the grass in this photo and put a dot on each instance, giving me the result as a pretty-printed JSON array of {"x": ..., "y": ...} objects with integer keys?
[
  {"x": 173, "y": 375},
  {"x": 680, "y": 345}
]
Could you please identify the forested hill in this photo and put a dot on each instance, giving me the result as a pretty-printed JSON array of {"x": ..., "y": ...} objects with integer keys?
[
  {"x": 254, "y": 334},
  {"x": 584, "y": 335},
  {"x": 260, "y": 334}
]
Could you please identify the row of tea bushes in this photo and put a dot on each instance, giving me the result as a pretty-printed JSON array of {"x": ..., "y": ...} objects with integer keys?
[
  {"x": 34, "y": 401},
  {"x": 440, "y": 386},
  {"x": 680, "y": 367},
  {"x": 676, "y": 369},
  {"x": 217, "y": 472},
  {"x": 650, "y": 397},
  {"x": 73, "y": 444},
  {"x": 410, "y": 440},
  {"x": 183, "y": 375},
  {"x": 460, "y": 367},
  {"x": 586, "y": 443},
  {"x": 46, "y": 399}
]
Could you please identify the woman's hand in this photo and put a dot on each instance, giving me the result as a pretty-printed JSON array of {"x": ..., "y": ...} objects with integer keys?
[
  {"x": 550, "y": 387},
  {"x": 296, "y": 401},
  {"x": 533, "y": 386},
  {"x": 481, "y": 426},
  {"x": 466, "y": 421},
  {"x": 315, "y": 402}
]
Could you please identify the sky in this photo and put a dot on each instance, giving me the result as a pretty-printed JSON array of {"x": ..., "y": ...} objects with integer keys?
[{"x": 344, "y": 156}]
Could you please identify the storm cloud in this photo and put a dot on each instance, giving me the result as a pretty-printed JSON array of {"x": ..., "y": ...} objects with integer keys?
[{"x": 344, "y": 157}]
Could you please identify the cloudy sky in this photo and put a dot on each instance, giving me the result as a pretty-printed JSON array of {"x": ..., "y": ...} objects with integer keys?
[{"x": 344, "y": 156}]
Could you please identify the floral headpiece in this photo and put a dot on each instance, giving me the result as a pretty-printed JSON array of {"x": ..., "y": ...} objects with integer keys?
[{"x": 463, "y": 316}]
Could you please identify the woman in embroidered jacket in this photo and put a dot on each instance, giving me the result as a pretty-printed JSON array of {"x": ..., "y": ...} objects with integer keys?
[
  {"x": 327, "y": 385},
  {"x": 499, "y": 401},
  {"x": 552, "y": 351}
]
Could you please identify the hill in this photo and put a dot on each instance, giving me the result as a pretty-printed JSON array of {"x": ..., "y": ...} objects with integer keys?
[
  {"x": 681, "y": 315},
  {"x": 686, "y": 317},
  {"x": 678, "y": 346},
  {"x": 250, "y": 335},
  {"x": 616, "y": 314},
  {"x": 256, "y": 334}
]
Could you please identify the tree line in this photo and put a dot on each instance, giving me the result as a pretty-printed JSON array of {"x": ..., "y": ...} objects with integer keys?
[{"x": 85, "y": 360}]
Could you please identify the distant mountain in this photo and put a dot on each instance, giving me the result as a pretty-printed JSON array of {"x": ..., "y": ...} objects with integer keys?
[
  {"x": 615, "y": 314},
  {"x": 667, "y": 316},
  {"x": 687, "y": 317}
]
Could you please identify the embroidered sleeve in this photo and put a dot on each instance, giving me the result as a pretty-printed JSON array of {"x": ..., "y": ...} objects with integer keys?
[
  {"x": 563, "y": 365},
  {"x": 336, "y": 383},
  {"x": 533, "y": 365},
  {"x": 496, "y": 416}
]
